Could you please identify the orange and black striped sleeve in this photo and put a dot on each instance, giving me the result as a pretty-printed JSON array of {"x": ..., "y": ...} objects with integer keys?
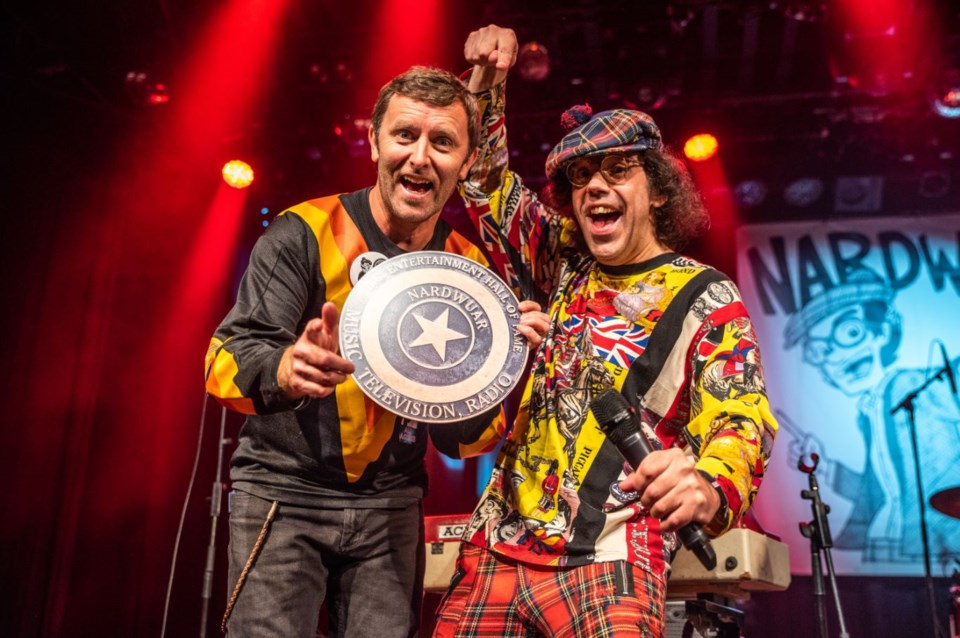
[{"x": 276, "y": 292}]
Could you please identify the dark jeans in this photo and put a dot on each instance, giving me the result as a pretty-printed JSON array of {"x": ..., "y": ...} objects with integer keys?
[{"x": 366, "y": 563}]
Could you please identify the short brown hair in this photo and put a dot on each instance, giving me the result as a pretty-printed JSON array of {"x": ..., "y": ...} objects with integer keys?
[
  {"x": 432, "y": 86},
  {"x": 682, "y": 216}
]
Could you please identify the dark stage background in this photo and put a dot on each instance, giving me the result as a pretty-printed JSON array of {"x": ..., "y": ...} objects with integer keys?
[{"x": 121, "y": 248}]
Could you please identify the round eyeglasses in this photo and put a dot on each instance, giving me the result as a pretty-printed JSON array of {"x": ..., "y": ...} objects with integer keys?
[
  {"x": 615, "y": 169},
  {"x": 846, "y": 334}
]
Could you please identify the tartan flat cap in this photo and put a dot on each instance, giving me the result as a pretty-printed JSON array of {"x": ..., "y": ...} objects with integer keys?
[{"x": 615, "y": 131}]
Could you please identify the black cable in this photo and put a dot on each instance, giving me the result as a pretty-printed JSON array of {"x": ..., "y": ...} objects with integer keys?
[{"x": 183, "y": 516}]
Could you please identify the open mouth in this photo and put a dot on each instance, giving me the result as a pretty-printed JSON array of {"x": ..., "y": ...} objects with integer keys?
[
  {"x": 416, "y": 184},
  {"x": 603, "y": 218},
  {"x": 859, "y": 368}
]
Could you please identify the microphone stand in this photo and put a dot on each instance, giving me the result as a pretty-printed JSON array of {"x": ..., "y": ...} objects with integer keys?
[
  {"x": 818, "y": 531},
  {"x": 216, "y": 496},
  {"x": 955, "y": 603},
  {"x": 908, "y": 404}
]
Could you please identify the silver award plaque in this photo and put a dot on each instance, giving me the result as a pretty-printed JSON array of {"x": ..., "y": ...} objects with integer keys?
[{"x": 433, "y": 337}]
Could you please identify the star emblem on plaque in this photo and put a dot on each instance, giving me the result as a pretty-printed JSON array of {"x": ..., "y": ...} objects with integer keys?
[{"x": 433, "y": 336}]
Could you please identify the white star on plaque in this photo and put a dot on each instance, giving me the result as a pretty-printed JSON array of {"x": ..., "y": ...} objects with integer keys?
[{"x": 436, "y": 333}]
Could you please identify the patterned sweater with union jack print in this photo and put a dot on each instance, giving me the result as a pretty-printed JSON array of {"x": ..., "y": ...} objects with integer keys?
[{"x": 670, "y": 333}]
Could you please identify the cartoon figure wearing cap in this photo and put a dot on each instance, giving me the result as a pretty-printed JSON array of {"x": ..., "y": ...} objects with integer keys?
[
  {"x": 631, "y": 319},
  {"x": 851, "y": 333}
]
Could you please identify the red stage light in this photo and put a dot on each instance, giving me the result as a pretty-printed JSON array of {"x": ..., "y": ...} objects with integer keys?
[
  {"x": 143, "y": 90},
  {"x": 951, "y": 98},
  {"x": 701, "y": 147},
  {"x": 237, "y": 173},
  {"x": 533, "y": 62},
  {"x": 158, "y": 98}
]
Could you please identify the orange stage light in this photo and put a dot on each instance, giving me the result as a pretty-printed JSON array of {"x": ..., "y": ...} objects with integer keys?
[
  {"x": 701, "y": 147},
  {"x": 237, "y": 173}
]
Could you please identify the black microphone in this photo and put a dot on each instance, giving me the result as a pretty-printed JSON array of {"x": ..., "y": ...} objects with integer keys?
[
  {"x": 948, "y": 368},
  {"x": 622, "y": 427}
]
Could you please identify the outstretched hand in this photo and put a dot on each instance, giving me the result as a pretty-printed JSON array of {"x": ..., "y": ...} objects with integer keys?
[
  {"x": 312, "y": 366},
  {"x": 492, "y": 50}
]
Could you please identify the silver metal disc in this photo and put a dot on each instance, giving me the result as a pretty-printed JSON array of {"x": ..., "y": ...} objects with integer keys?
[{"x": 433, "y": 337}]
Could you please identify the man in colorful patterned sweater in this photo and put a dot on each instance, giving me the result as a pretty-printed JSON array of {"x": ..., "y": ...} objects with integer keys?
[
  {"x": 328, "y": 485},
  {"x": 566, "y": 540}
]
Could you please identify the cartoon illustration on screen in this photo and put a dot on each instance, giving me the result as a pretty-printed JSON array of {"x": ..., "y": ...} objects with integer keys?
[{"x": 852, "y": 333}]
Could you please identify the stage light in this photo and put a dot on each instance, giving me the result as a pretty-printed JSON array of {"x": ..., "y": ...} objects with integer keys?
[
  {"x": 945, "y": 94},
  {"x": 750, "y": 193},
  {"x": 237, "y": 173},
  {"x": 158, "y": 95},
  {"x": 701, "y": 147},
  {"x": 934, "y": 184},
  {"x": 951, "y": 99},
  {"x": 803, "y": 192},
  {"x": 859, "y": 194},
  {"x": 805, "y": 11},
  {"x": 352, "y": 133},
  {"x": 143, "y": 90},
  {"x": 327, "y": 76},
  {"x": 533, "y": 62}
]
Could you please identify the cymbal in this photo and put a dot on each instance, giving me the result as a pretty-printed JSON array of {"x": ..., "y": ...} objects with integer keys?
[{"x": 947, "y": 501}]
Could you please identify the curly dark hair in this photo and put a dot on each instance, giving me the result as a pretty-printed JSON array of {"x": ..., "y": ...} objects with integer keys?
[
  {"x": 432, "y": 86},
  {"x": 682, "y": 216}
]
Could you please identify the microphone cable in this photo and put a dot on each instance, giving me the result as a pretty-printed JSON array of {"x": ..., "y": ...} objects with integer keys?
[{"x": 183, "y": 516}]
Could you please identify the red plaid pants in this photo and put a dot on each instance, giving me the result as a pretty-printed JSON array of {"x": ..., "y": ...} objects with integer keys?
[{"x": 495, "y": 596}]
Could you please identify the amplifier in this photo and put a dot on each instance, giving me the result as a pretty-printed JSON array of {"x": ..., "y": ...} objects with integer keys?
[{"x": 746, "y": 561}]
